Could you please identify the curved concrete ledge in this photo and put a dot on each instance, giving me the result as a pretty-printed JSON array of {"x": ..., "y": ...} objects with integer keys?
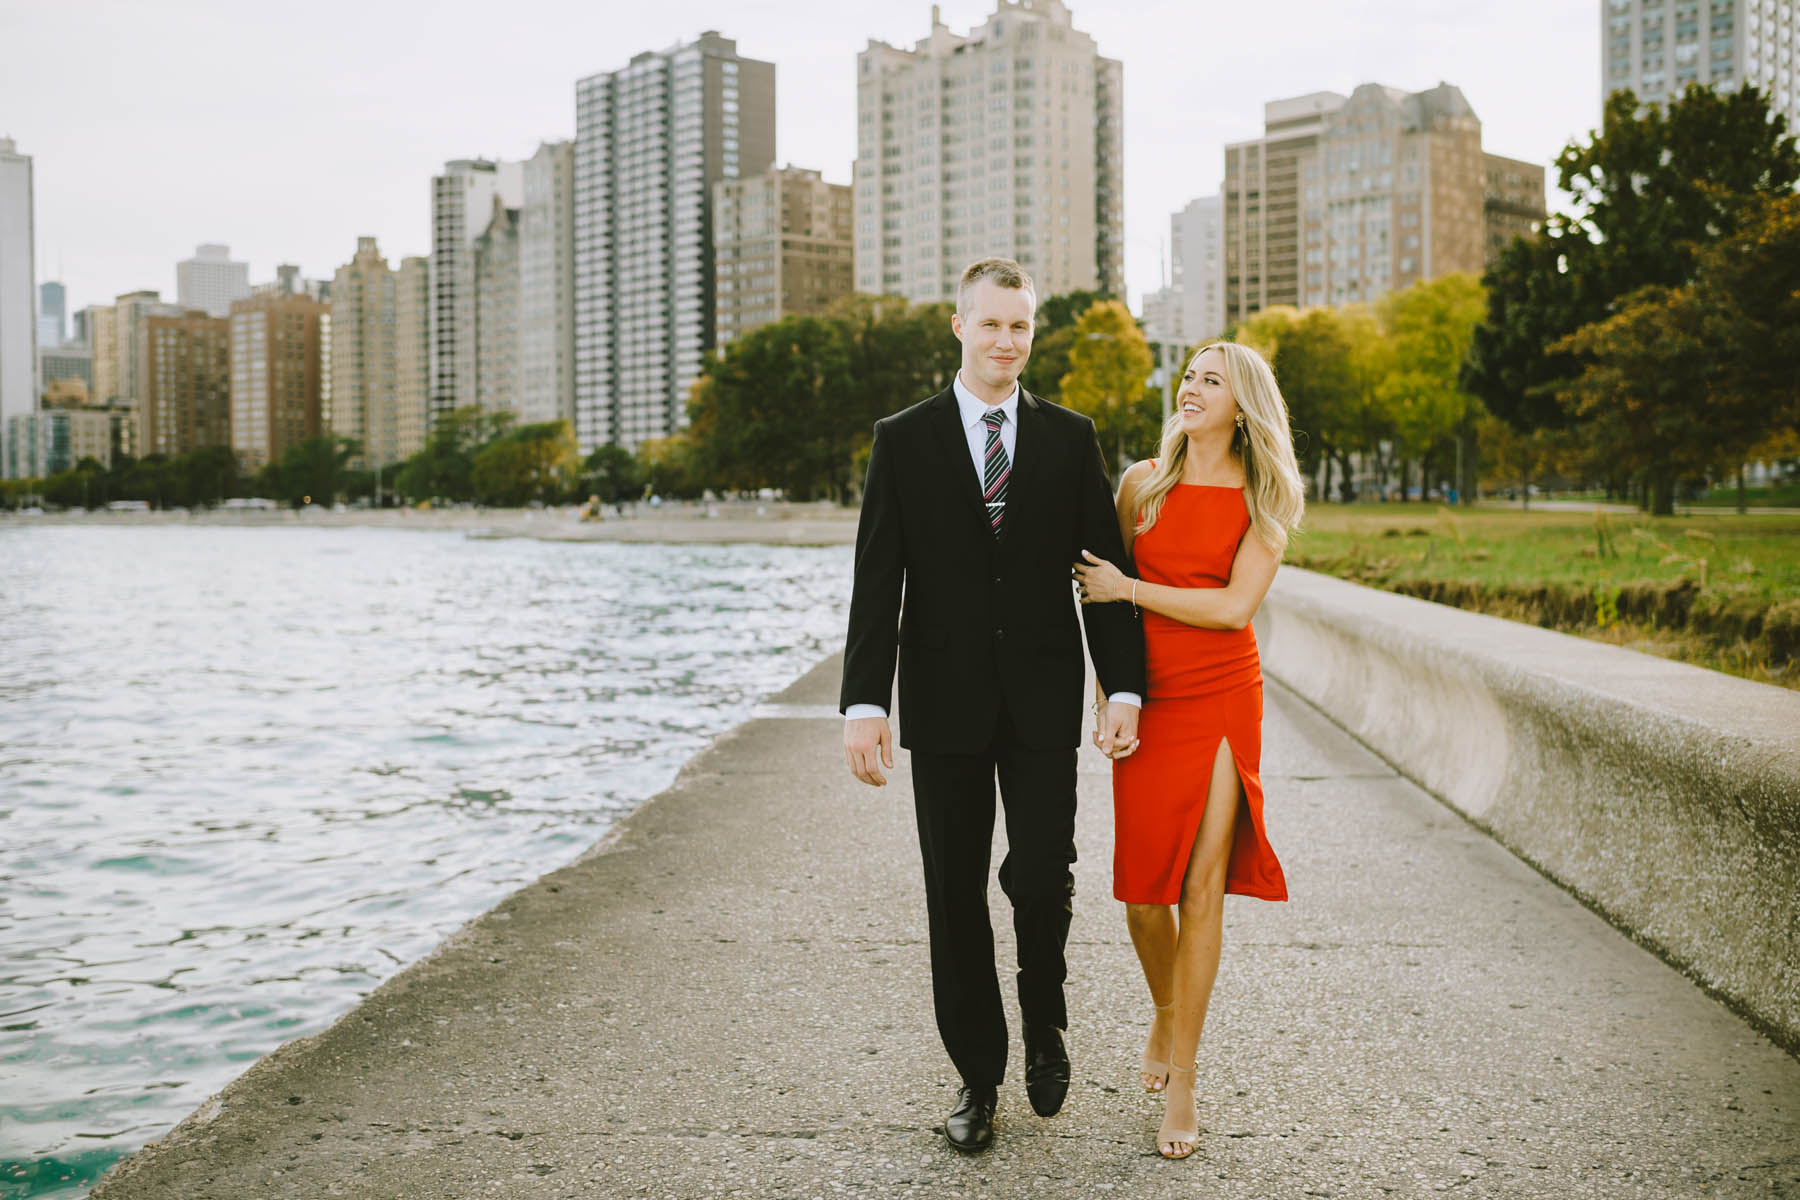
[{"x": 1665, "y": 795}]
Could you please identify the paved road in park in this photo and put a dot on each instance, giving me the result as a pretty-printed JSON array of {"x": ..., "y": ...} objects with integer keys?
[{"x": 731, "y": 998}]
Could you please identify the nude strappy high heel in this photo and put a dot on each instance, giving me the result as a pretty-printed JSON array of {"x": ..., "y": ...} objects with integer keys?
[
  {"x": 1170, "y": 1140},
  {"x": 1159, "y": 1067}
]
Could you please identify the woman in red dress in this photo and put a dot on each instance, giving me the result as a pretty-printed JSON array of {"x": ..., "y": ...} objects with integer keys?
[{"x": 1206, "y": 523}]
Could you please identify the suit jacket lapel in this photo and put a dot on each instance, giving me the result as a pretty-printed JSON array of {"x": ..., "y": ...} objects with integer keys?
[
  {"x": 947, "y": 419},
  {"x": 1028, "y": 461}
]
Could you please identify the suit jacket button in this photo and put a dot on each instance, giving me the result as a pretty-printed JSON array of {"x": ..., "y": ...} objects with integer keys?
[
  {"x": 996, "y": 580},
  {"x": 999, "y": 633}
]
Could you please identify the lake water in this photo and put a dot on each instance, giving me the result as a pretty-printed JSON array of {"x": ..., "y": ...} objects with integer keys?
[{"x": 247, "y": 774}]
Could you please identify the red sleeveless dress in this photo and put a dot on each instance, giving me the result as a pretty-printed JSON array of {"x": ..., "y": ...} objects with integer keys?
[{"x": 1204, "y": 685}]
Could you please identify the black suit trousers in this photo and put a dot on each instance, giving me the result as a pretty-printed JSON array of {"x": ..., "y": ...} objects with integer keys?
[{"x": 953, "y": 796}]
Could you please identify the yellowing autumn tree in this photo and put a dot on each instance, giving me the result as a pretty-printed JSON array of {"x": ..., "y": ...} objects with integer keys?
[{"x": 1109, "y": 370}]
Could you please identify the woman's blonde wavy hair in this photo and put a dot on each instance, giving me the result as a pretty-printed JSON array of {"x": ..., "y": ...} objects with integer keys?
[{"x": 1274, "y": 493}]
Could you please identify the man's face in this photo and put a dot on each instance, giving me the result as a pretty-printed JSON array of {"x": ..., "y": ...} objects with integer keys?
[{"x": 995, "y": 331}]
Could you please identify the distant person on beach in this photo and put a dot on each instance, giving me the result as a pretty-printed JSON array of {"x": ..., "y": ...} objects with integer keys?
[
  {"x": 976, "y": 501},
  {"x": 1206, "y": 523}
]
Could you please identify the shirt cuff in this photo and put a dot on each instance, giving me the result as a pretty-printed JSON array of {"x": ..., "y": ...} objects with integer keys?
[
  {"x": 858, "y": 712},
  {"x": 1131, "y": 698}
]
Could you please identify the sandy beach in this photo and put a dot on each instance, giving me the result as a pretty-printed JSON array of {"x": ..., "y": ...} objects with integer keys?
[{"x": 771, "y": 522}]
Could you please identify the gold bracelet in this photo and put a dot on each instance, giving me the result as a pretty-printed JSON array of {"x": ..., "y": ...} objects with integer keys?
[{"x": 1134, "y": 607}]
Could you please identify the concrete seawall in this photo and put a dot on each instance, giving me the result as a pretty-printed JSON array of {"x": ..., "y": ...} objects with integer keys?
[{"x": 1665, "y": 795}]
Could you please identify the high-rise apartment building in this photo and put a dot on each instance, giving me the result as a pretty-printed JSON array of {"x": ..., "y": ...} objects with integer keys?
[
  {"x": 1658, "y": 47},
  {"x": 364, "y": 401},
  {"x": 496, "y": 278},
  {"x": 131, "y": 312},
  {"x": 186, "y": 383},
  {"x": 101, "y": 323},
  {"x": 412, "y": 356},
  {"x": 781, "y": 245},
  {"x": 1190, "y": 307},
  {"x": 651, "y": 139},
  {"x": 546, "y": 344},
  {"x": 1197, "y": 267},
  {"x": 18, "y": 303},
  {"x": 277, "y": 377},
  {"x": 1261, "y": 202},
  {"x": 211, "y": 280},
  {"x": 1344, "y": 199},
  {"x": 53, "y": 321},
  {"x": 1008, "y": 141},
  {"x": 66, "y": 361},
  {"x": 462, "y": 204},
  {"x": 289, "y": 282}
]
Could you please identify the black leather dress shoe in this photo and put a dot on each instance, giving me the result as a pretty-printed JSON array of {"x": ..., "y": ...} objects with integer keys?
[
  {"x": 1046, "y": 1069},
  {"x": 970, "y": 1126}
]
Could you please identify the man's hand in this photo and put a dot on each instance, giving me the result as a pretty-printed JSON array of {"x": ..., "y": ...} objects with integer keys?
[
  {"x": 864, "y": 738},
  {"x": 1115, "y": 732}
]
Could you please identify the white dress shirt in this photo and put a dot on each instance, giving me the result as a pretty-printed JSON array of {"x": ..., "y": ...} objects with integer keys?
[{"x": 972, "y": 409}]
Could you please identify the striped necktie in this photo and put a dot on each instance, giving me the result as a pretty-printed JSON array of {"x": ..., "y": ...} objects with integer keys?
[{"x": 996, "y": 470}]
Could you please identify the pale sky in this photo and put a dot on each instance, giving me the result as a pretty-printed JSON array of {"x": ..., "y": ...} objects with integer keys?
[{"x": 288, "y": 131}]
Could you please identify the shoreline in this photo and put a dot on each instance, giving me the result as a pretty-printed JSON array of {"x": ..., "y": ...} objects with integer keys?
[{"x": 722, "y": 522}]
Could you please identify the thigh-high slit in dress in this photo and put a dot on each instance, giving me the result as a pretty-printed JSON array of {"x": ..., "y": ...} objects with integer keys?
[{"x": 1204, "y": 685}]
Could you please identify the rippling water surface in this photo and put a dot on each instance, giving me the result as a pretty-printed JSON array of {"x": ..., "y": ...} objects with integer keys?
[{"x": 246, "y": 774}]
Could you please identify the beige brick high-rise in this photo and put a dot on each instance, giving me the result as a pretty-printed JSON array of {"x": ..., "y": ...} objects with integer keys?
[
  {"x": 277, "y": 375},
  {"x": 363, "y": 400},
  {"x": 186, "y": 396},
  {"x": 781, "y": 241},
  {"x": 412, "y": 356},
  {"x": 1344, "y": 199},
  {"x": 1008, "y": 141},
  {"x": 130, "y": 312}
]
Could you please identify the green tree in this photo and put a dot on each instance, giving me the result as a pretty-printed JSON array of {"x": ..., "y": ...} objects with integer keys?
[
  {"x": 538, "y": 462},
  {"x": 1747, "y": 287},
  {"x": 142, "y": 479},
  {"x": 1109, "y": 364},
  {"x": 899, "y": 353},
  {"x": 1053, "y": 336},
  {"x": 1683, "y": 382},
  {"x": 314, "y": 470},
  {"x": 1314, "y": 362},
  {"x": 611, "y": 473},
  {"x": 774, "y": 411},
  {"x": 1428, "y": 327},
  {"x": 668, "y": 467},
  {"x": 208, "y": 475},
  {"x": 445, "y": 468},
  {"x": 1650, "y": 191}
]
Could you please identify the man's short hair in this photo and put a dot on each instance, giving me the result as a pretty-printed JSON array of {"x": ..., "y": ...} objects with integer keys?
[{"x": 1003, "y": 272}]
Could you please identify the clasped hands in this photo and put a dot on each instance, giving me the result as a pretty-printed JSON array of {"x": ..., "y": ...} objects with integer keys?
[
  {"x": 1115, "y": 729},
  {"x": 1115, "y": 725}
]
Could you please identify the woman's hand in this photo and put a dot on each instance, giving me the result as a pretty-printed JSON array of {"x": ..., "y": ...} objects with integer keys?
[{"x": 1099, "y": 582}]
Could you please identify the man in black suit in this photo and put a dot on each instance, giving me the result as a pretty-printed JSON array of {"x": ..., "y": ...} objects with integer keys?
[{"x": 991, "y": 674}]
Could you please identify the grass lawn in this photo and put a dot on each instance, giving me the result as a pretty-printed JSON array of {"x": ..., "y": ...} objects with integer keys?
[
  {"x": 1784, "y": 495},
  {"x": 1719, "y": 590}
]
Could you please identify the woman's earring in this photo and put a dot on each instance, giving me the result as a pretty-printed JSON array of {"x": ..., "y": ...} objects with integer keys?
[{"x": 1240, "y": 421}]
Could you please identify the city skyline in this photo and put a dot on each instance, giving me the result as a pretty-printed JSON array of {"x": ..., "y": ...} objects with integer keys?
[{"x": 350, "y": 148}]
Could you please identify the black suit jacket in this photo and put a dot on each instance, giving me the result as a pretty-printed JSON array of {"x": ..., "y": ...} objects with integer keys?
[{"x": 980, "y": 621}]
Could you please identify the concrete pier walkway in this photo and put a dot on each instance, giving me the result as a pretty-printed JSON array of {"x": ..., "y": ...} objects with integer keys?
[{"x": 731, "y": 997}]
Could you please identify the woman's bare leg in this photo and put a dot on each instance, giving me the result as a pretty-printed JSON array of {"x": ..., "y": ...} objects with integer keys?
[
  {"x": 1198, "y": 938},
  {"x": 1152, "y": 929}
]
